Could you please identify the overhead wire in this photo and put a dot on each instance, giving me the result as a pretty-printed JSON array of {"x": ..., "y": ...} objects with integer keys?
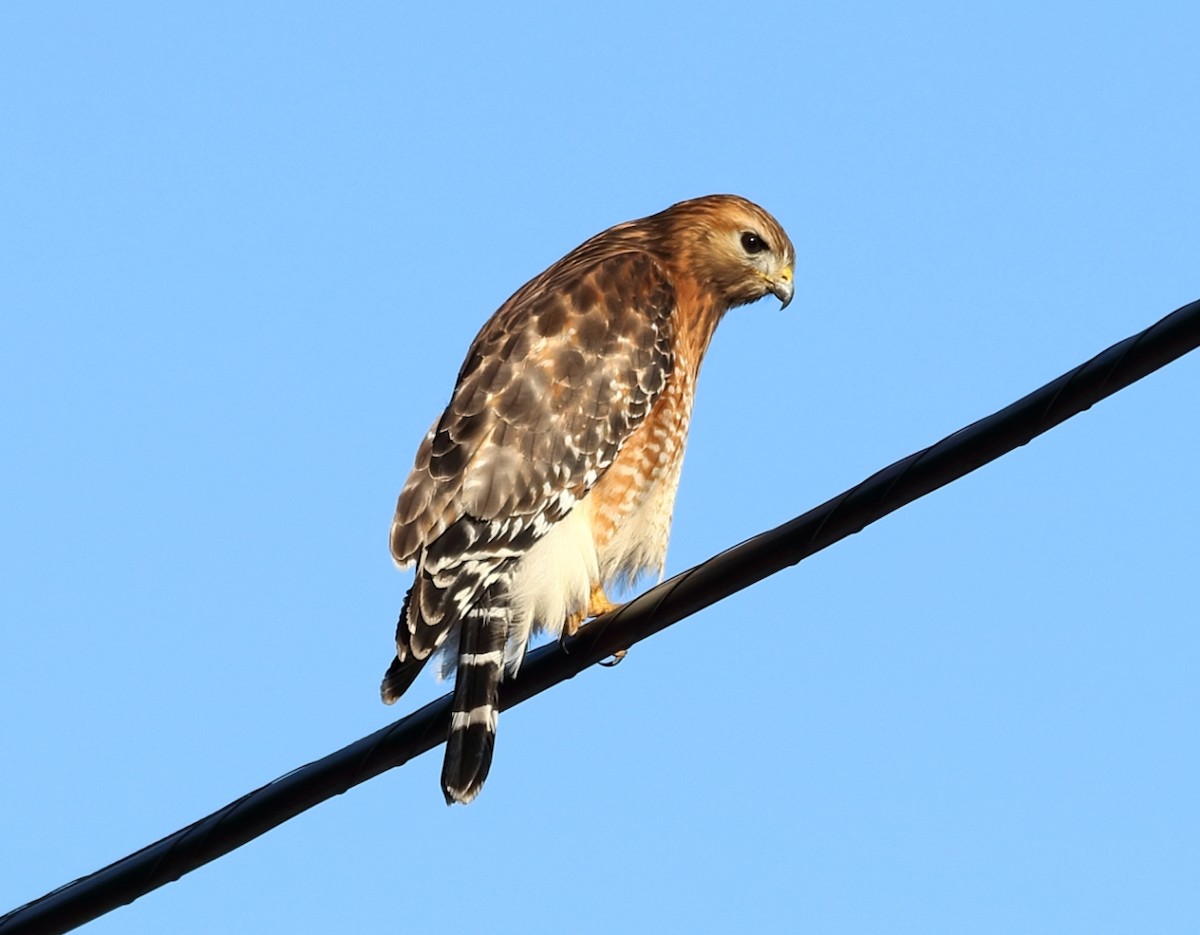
[{"x": 714, "y": 580}]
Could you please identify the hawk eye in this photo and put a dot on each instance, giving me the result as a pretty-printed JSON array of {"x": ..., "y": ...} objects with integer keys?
[{"x": 752, "y": 243}]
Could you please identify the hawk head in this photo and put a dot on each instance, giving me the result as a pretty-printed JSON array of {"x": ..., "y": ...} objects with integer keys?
[{"x": 733, "y": 248}]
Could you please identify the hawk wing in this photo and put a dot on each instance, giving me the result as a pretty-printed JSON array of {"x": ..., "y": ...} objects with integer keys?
[{"x": 551, "y": 388}]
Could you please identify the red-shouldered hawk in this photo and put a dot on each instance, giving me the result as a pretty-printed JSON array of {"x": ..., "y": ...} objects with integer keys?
[{"x": 552, "y": 473}]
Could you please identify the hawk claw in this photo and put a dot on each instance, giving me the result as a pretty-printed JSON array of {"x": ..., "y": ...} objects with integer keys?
[
  {"x": 598, "y": 605},
  {"x": 616, "y": 658},
  {"x": 573, "y": 622}
]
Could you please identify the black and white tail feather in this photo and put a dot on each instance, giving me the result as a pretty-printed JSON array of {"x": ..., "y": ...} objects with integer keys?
[
  {"x": 461, "y": 606},
  {"x": 480, "y": 635},
  {"x": 475, "y": 708}
]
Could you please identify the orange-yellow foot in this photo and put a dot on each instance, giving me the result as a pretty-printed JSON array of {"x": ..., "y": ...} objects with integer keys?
[
  {"x": 573, "y": 622},
  {"x": 598, "y": 602}
]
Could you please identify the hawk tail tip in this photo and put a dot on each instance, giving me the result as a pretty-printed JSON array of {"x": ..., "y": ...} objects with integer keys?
[{"x": 399, "y": 676}]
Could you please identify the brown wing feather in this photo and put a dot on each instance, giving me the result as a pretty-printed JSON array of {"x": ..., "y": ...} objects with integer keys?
[{"x": 551, "y": 387}]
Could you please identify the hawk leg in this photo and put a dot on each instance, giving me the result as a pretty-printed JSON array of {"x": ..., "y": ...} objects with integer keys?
[{"x": 598, "y": 605}]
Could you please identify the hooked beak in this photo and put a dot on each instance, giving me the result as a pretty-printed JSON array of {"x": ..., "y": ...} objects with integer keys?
[{"x": 783, "y": 287}]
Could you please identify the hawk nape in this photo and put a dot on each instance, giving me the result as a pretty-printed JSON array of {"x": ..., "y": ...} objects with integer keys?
[{"x": 552, "y": 473}]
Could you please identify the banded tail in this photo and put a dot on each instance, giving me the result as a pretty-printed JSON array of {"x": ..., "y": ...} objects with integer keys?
[
  {"x": 470, "y": 619},
  {"x": 475, "y": 708}
]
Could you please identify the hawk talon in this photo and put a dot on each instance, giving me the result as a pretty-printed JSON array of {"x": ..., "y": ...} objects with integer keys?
[
  {"x": 616, "y": 658},
  {"x": 573, "y": 622},
  {"x": 599, "y": 604}
]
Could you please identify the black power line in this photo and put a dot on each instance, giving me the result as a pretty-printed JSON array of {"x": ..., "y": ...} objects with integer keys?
[{"x": 736, "y": 568}]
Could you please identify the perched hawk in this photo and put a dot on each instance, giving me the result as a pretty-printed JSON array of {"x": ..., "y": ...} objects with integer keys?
[{"x": 552, "y": 473}]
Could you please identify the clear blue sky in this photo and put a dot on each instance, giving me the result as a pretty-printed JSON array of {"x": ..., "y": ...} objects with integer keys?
[{"x": 243, "y": 248}]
